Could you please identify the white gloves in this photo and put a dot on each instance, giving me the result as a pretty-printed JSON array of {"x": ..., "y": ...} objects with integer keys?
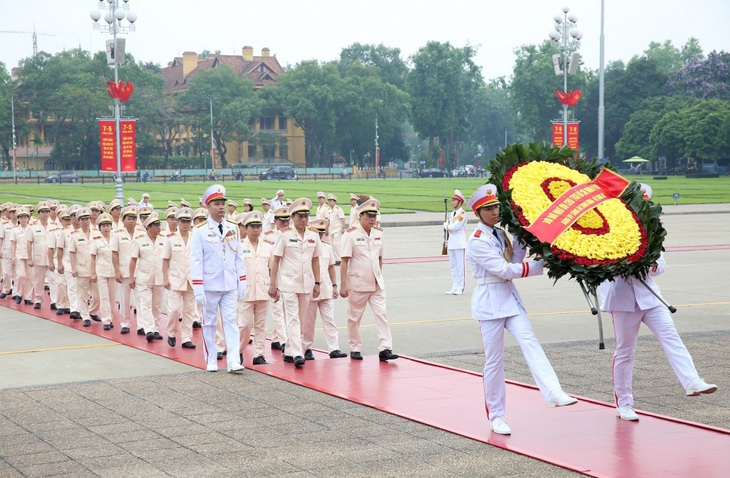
[
  {"x": 241, "y": 291},
  {"x": 199, "y": 295},
  {"x": 446, "y": 226}
]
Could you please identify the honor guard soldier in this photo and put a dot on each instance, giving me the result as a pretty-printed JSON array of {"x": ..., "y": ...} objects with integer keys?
[
  {"x": 631, "y": 304},
  {"x": 456, "y": 244},
  {"x": 362, "y": 281},
  {"x": 102, "y": 268},
  {"x": 325, "y": 303},
  {"x": 178, "y": 282},
  {"x": 19, "y": 248},
  {"x": 295, "y": 275},
  {"x": 121, "y": 246},
  {"x": 37, "y": 239},
  {"x": 496, "y": 305},
  {"x": 79, "y": 248},
  {"x": 279, "y": 200},
  {"x": 336, "y": 217},
  {"x": 256, "y": 256},
  {"x": 219, "y": 276},
  {"x": 145, "y": 277}
]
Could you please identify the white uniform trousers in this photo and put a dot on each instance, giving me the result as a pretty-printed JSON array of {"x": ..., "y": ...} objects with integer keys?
[
  {"x": 38, "y": 278},
  {"x": 226, "y": 301},
  {"x": 252, "y": 315},
  {"x": 326, "y": 309},
  {"x": 25, "y": 279},
  {"x": 181, "y": 304},
  {"x": 52, "y": 286},
  {"x": 73, "y": 296},
  {"x": 277, "y": 314},
  {"x": 150, "y": 307},
  {"x": 61, "y": 293},
  {"x": 626, "y": 329},
  {"x": 107, "y": 288},
  {"x": 458, "y": 273},
  {"x": 356, "y": 302},
  {"x": 493, "y": 337},
  {"x": 295, "y": 313},
  {"x": 125, "y": 303},
  {"x": 7, "y": 277},
  {"x": 220, "y": 338}
]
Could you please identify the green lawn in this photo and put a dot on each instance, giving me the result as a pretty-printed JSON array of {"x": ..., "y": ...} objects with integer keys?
[{"x": 395, "y": 195}]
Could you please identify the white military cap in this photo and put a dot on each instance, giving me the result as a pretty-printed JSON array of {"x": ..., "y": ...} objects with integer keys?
[{"x": 216, "y": 191}]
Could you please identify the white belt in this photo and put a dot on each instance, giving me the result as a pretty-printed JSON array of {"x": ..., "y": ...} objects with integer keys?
[{"x": 491, "y": 280}]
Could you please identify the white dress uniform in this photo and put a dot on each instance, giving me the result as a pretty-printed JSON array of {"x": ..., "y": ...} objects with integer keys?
[
  {"x": 497, "y": 305},
  {"x": 256, "y": 304},
  {"x": 219, "y": 280},
  {"x": 630, "y": 304},
  {"x": 456, "y": 246},
  {"x": 365, "y": 283}
]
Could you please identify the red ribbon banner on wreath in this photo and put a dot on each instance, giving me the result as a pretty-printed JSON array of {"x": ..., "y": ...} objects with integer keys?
[{"x": 575, "y": 202}]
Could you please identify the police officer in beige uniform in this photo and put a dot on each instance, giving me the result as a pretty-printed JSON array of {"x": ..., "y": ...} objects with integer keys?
[
  {"x": 103, "y": 269},
  {"x": 325, "y": 303},
  {"x": 362, "y": 283},
  {"x": 219, "y": 276},
  {"x": 37, "y": 239},
  {"x": 145, "y": 276},
  {"x": 178, "y": 282},
  {"x": 121, "y": 246},
  {"x": 59, "y": 295},
  {"x": 267, "y": 223},
  {"x": 115, "y": 211},
  {"x": 354, "y": 216},
  {"x": 322, "y": 206},
  {"x": 19, "y": 248},
  {"x": 79, "y": 248},
  {"x": 278, "y": 336},
  {"x": 8, "y": 265},
  {"x": 336, "y": 217},
  {"x": 256, "y": 256},
  {"x": 295, "y": 275}
]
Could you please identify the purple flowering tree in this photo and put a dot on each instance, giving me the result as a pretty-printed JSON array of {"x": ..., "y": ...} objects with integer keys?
[{"x": 708, "y": 78}]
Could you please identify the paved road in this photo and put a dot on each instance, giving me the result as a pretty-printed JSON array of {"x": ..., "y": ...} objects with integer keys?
[{"x": 75, "y": 404}]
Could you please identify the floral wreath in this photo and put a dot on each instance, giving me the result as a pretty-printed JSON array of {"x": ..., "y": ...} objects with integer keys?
[{"x": 621, "y": 236}]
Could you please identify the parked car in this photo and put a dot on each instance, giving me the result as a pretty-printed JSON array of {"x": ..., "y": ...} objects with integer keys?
[
  {"x": 434, "y": 173},
  {"x": 279, "y": 172},
  {"x": 63, "y": 177}
]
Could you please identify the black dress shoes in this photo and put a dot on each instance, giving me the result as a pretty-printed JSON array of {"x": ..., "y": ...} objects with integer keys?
[
  {"x": 75, "y": 315},
  {"x": 59, "y": 311},
  {"x": 309, "y": 355},
  {"x": 150, "y": 336},
  {"x": 337, "y": 354},
  {"x": 260, "y": 360},
  {"x": 386, "y": 355},
  {"x": 355, "y": 355},
  {"x": 220, "y": 356},
  {"x": 108, "y": 326},
  {"x": 37, "y": 305},
  {"x": 3, "y": 295},
  {"x": 171, "y": 341},
  {"x": 288, "y": 359},
  {"x": 28, "y": 302},
  {"x": 196, "y": 324},
  {"x": 188, "y": 345},
  {"x": 157, "y": 336},
  {"x": 87, "y": 322},
  {"x": 298, "y": 361},
  {"x": 18, "y": 299},
  {"x": 275, "y": 345},
  {"x": 95, "y": 318},
  {"x": 53, "y": 306},
  {"x": 125, "y": 330},
  {"x": 66, "y": 311},
  {"x": 140, "y": 332}
]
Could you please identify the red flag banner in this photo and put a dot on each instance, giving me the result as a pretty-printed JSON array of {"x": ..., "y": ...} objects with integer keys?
[
  {"x": 129, "y": 145},
  {"x": 558, "y": 134},
  {"x": 573, "y": 136},
  {"x": 108, "y": 144},
  {"x": 575, "y": 202}
]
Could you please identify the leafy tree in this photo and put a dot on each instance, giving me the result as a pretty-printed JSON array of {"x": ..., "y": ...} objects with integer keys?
[
  {"x": 234, "y": 106},
  {"x": 699, "y": 78},
  {"x": 635, "y": 140},
  {"x": 391, "y": 68},
  {"x": 442, "y": 85},
  {"x": 6, "y": 124},
  {"x": 491, "y": 118}
]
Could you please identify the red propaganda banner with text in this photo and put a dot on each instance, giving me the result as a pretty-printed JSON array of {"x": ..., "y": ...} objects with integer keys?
[
  {"x": 558, "y": 134},
  {"x": 107, "y": 142},
  {"x": 573, "y": 136}
]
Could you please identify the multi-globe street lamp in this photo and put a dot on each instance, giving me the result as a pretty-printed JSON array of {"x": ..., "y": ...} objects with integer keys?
[
  {"x": 566, "y": 38},
  {"x": 114, "y": 12}
]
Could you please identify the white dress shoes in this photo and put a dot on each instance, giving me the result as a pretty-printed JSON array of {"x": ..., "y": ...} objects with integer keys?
[
  {"x": 500, "y": 427},
  {"x": 450, "y": 292},
  {"x": 559, "y": 398},
  {"x": 627, "y": 413},
  {"x": 699, "y": 386},
  {"x": 236, "y": 367},
  {"x": 212, "y": 367}
]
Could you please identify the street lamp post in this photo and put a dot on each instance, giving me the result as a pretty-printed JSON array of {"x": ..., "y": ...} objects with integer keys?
[
  {"x": 113, "y": 17},
  {"x": 566, "y": 38}
]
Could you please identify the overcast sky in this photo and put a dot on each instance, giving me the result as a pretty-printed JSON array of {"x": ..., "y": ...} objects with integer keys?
[{"x": 320, "y": 29}]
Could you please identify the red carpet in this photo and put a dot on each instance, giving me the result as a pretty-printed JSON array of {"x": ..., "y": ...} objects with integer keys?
[{"x": 586, "y": 437}]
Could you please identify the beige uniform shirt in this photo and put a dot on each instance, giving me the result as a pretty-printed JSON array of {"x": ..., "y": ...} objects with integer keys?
[
  {"x": 257, "y": 269},
  {"x": 102, "y": 249},
  {"x": 296, "y": 252},
  {"x": 149, "y": 259},
  {"x": 364, "y": 251},
  {"x": 18, "y": 235},
  {"x": 178, "y": 269},
  {"x": 322, "y": 211},
  {"x": 336, "y": 217},
  {"x": 5, "y": 233},
  {"x": 122, "y": 244},
  {"x": 38, "y": 237},
  {"x": 80, "y": 244},
  {"x": 326, "y": 259}
]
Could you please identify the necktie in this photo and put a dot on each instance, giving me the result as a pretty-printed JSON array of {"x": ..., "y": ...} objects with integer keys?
[
  {"x": 220, "y": 228},
  {"x": 494, "y": 231}
]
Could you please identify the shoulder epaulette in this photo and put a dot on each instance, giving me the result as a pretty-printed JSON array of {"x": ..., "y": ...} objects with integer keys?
[
  {"x": 351, "y": 229},
  {"x": 201, "y": 224},
  {"x": 284, "y": 229},
  {"x": 96, "y": 237},
  {"x": 138, "y": 236},
  {"x": 477, "y": 233},
  {"x": 270, "y": 231},
  {"x": 170, "y": 235}
]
